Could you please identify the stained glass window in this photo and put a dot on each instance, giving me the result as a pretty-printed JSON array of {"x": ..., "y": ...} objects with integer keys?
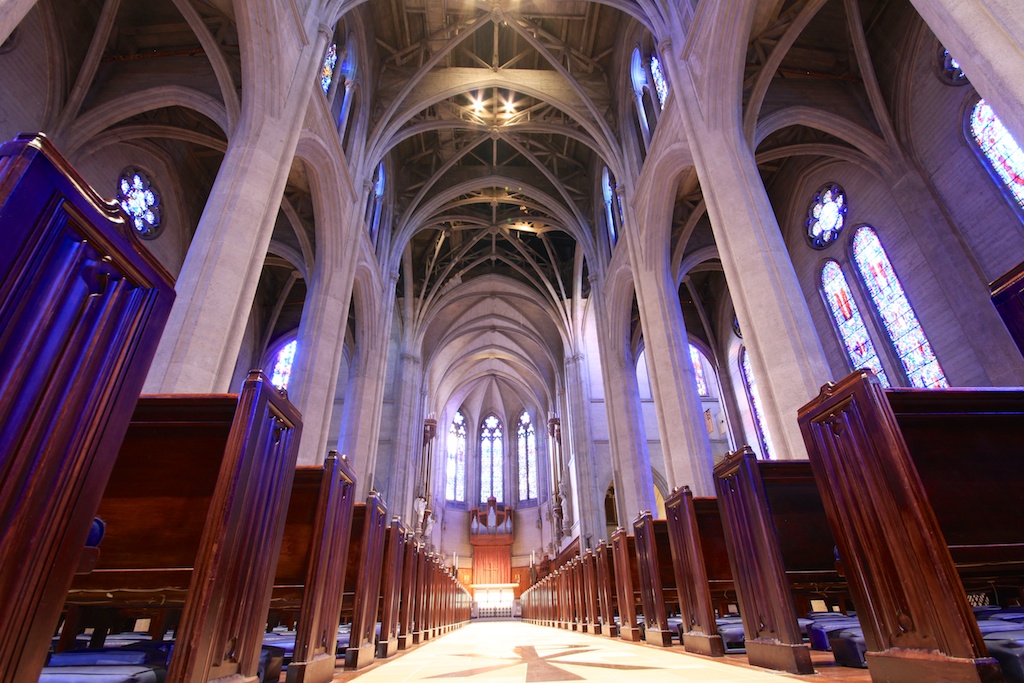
[
  {"x": 755, "y": 404},
  {"x": 849, "y": 322},
  {"x": 608, "y": 190},
  {"x": 898, "y": 317},
  {"x": 950, "y": 69},
  {"x": 140, "y": 201},
  {"x": 455, "y": 462},
  {"x": 327, "y": 70},
  {"x": 1004, "y": 155},
  {"x": 283, "y": 365},
  {"x": 698, "y": 371},
  {"x": 491, "y": 460},
  {"x": 377, "y": 200},
  {"x": 660, "y": 84},
  {"x": 826, "y": 215},
  {"x": 527, "y": 458}
]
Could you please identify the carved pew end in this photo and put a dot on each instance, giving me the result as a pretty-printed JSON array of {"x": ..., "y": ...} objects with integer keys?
[{"x": 772, "y": 654}]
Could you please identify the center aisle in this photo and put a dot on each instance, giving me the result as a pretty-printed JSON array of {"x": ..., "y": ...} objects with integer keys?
[{"x": 514, "y": 652}]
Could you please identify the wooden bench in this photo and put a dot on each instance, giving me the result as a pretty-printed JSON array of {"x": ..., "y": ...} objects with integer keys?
[
  {"x": 363, "y": 579},
  {"x": 700, "y": 562},
  {"x": 607, "y": 593},
  {"x": 82, "y": 308},
  {"x": 195, "y": 510},
  {"x": 780, "y": 544},
  {"x": 923, "y": 492},
  {"x": 395, "y": 538},
  {"x": 658, "y": 593},
  {"x": 407, "y": 607},
  {"x": 314, "y": 547},
  {"x": 627, "y": 584}
]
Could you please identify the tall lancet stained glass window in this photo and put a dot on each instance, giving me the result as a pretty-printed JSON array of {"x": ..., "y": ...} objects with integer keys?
[
  {"x": 660, "y": 82},
  {"x": 491, "y": 460},
  {"x": 755, "y": 404},
  {"x": 1002, "y": 153},
  {"x": 327, "y": 70},
  {"x": 898, "y": 317},
  {"x": 455, "y": 461},
  {"x": 852, "y": 330},
  {"x": 527, "y": 445},
  {"x": 283, "y": 361},
  {"x": 698, "y": 371}
]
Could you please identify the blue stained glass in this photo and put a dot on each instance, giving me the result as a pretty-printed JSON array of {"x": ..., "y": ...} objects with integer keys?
[
  {"x": 1003, "y": 153},
  {"x": 491, "y": 483},
  {"x": 455, "y": 463},
  {"x": 755, "y": 404},
  {"x": 527, "y": 437},
  {"x": 951, "y": 68},
  {"x": 898, "y": 317},
  {"x": 327, "y": 70},
  {"x": 698, "y": 371},
  {"x": 826, "y": 215},
  {"x": 283, "y": 365},
  {"x": 660, "y": 84},
  {"x": 140, "y": 201},
  {"x": 849, "y": 322}
]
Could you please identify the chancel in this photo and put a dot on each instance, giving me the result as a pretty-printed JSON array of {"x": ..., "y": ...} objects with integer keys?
[{"x": 348, "y": 323}]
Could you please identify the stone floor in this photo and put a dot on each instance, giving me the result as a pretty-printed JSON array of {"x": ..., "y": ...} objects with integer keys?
[{"x": 514, "y": 652}]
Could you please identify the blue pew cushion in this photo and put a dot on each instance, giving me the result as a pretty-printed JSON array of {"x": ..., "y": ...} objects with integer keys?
[
  {"x": 848, "y": 647},
  {"x": 103, "y": 674}
]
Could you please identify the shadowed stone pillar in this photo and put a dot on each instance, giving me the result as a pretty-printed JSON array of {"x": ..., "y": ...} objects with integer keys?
[{"x": 11, "y": 14}]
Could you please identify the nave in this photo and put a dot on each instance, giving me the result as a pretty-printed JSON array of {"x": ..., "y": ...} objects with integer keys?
[{"x": 516, "y": 652}]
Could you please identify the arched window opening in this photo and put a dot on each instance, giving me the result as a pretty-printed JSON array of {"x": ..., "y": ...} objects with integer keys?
[
  {"x": 849, "y": 323},
  {"x": 642, "y": 91},
  {"x": 455, "y": 461},
  {"x": 283, "y": 361},
  {"x": 754, "y": 399},
  {"x": 896, "y": 313},
  {"x": 660, "y": 82},
  {"x": 527, "y": 437},
  {"x": 377, "y": 201},
  {"x": 608, "y": 190},
  {"x": 491, "y": 460},
  {"x": 949, "y": 69},
  {"x": 140, "y": 200},
  {"x": 998, "y": 150},
  {"x": 346, "y": 71},
  {"x": 698, "y": 370},
  {"x": 327, "y": 69}
]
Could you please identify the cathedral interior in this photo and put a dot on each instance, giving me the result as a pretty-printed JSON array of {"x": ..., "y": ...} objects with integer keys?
[{"x": 561, "y": 254}]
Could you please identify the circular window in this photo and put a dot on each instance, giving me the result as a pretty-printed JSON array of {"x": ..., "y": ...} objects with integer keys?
[
  {"x": 949, "y": 69},
  {"x": 140, "y": 201},
  {"x": 826, "y": 215}
]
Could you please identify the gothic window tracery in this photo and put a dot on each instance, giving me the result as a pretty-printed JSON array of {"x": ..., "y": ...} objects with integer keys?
[
  {"x": 756, "y": 410},
  {"x": 327, "y": 69},
  {"x": 997, "y": 149},
  {"x": 895, "y": 312},
  {"x": 826, "y": 215},
  {"x": 140, "y": 201},
  {"x": 491, "y": 459},
  {"x": 949, "y": 69},
  {"x": 698, "y": 371},
  {"x": 283, "y": 361},
  {"x": 455, "y": 461},
  {"x": 527, "y": 446},
  {"x": 608, "y": 192}
]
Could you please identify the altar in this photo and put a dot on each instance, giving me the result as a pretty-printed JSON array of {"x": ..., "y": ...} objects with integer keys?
[{"x": 490, "y": 533}]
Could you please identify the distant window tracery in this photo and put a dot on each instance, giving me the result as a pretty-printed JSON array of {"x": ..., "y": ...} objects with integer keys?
[
  {"x": 327, "y": 70},
  {"x": 754, "y": 398},
  {"x": 950, "y": 70},
  {"x": 608, "y": 191},
  {"x": 491, "y": 460},
  {"x": 897, "y": 315},
  {"x": 455, "y": 461},
  {"x": 283, "y": 361},
  {"x": 660, "y": 83},
  {"x": 527, "y": 437},
  {"x": 698, "y": 371},
  {"x": 140, "y": 201},
  {"x": 377, "y": 200},
  {"x": 849, "y": 323},
  {"x": 826, "y": 215},
  {"x": 997, "y": 148}
]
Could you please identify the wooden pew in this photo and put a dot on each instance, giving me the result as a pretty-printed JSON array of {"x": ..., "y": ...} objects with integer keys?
[
  {"x": 314, "y": 548},
  {"x": 82, "y": 307},
  {"x": 700, "y": 560},
  {"x": 395, "y": 538},
  {"x": 923, "y": 491},
  {"x": 589, "y": 566},
  {"x": 627, "y": 584},
  {"x": 607, "y": 591},
  {"x": 195, "y": 510},
  {"x": 779, "y": 542},
  {"x": 1008, "y": 298},
  {"x": 407, "y": 609},
  {"x": 657, "y": 580},
  {"x": 363, "y": 578}
]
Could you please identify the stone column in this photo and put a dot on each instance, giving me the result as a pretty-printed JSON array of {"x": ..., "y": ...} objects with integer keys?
[
  {"x": 785, "y": 352},
  {"x": 407, "y": 448},
  {"x": 576, "y": 443},
  {"x": 11, "y": 14},
  {"x": 684, "y": 439},
  {"x": 218, "y": 280},
  {"x": 987, "y": 39}
]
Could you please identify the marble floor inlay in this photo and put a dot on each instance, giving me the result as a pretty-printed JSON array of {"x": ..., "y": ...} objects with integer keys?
[{"x": 514, "y": 652}]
